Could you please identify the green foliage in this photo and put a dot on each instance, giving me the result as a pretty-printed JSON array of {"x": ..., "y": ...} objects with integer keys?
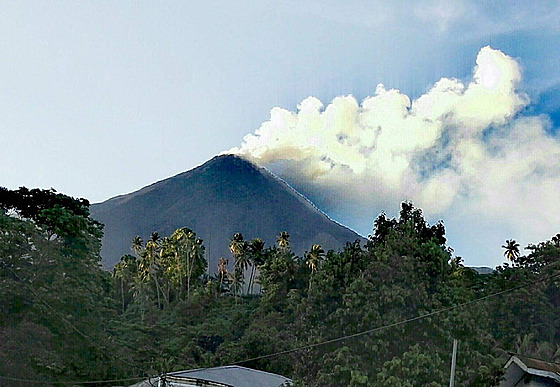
[
  {"x": 411, "y": 221},
  {"x": 161, "y": 311},
  {"x": 413, "y": 367},
  {"x": 57, "y": 215},
  {"x": 52, "y": 288}
]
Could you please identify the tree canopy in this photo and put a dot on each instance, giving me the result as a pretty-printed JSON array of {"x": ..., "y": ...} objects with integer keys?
[{"x": 63, "y": 318}]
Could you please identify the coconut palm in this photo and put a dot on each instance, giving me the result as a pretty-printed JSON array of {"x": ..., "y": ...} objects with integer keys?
[
  {"x": 137, "y": 245},
  {"x": 239, "y": 248},
  {"x": 119, "y": 273},
  {"x": 222, "y": 272},
  {"x": 312, "y": 259},
  {"x": 155, "y": 237},
  {"x": 256, "y": 249},
  {"x": 167, "y": 262},
  {"x": 170, "y": 261},
  {"x": 242, "y": 263},
  {"x": 314, "y": 256},
  {"x": 141, "y": 279},
  {"x": 179, "y": 246},
  {"x": 511, "y": 249},
  {"x": 151, "y": 267},
  {"x": 283, "y": 240},
  {"x": 236, "y": 279},
  {"x": 189, "y": 251}
]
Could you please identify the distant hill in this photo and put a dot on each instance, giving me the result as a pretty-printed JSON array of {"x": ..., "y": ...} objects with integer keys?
[
  {"x": 225, "y": 195},
  {"x": 482, "y": 269}
]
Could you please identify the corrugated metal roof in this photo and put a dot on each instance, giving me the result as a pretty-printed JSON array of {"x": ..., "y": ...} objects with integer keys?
[
  {"x": 540, "y": 364},
  {"x": 536, "y": 366},
  {"x": 234, "y": 376}
]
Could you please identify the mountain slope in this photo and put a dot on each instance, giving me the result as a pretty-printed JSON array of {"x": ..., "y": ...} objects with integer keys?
[{"x": 225, "y": 195}]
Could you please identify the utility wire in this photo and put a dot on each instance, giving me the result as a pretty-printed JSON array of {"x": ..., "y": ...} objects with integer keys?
[
  {"x": 297, "y": 349},
  {"x": 402, "y": 322}
]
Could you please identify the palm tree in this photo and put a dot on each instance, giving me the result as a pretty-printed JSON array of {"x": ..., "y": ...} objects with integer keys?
[
  {"x": 283, "y": 240},
  {"x": 137, "y": 245},
  {"x": 236, "y": 279},
  {"x": 511, "y": 250},
  {"x": 256, "y": 248},
  {"x": 239, "y": 249},
  {"x": 222, "y": 272},
  {"x": 125, "y": 271},
  {"x": 155, "y": 237},
  {"x": 237, "y": 246},
  {"x": 313, "y": 258},
  {"x": 151, "y": 265},
  {"x": 168, "y": 264},
  {"x": 148, "y": 267},
  {"x": 142, "y": 273},
  {"x": 118, "y": 272},
  {"x": 190, "y": 255},
  {"x": 242, "y": 263}
]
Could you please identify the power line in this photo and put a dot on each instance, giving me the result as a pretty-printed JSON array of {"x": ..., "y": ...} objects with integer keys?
[
  {"x": 275, "y": 354},
  {"x": 402, "y": 322},
  {"x": 338, "y": 339}
]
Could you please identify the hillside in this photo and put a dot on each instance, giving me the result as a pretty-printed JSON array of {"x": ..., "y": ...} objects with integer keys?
[
  {"x": 376, "y": 315},
  {"x": 225, "y": 195}
]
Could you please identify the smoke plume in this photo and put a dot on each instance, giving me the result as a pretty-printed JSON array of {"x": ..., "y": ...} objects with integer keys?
[{"x": 461, "y": 148}]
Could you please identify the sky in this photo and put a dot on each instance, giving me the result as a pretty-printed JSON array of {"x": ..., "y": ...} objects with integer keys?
[{"x": 359, "y": 105}]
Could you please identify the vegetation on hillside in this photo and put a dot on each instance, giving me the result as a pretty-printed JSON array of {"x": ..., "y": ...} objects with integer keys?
[{"x": 63, "y": 318}]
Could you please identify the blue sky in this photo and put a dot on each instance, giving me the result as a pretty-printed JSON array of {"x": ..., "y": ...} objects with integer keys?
[{"x": 99, "y": 99}]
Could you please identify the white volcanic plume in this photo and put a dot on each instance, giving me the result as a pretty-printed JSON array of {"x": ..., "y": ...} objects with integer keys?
[{"x": 461, "y": 147}]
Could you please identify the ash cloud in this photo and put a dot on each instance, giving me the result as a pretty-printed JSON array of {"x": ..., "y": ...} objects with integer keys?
[{"x": 463, "y": 147}]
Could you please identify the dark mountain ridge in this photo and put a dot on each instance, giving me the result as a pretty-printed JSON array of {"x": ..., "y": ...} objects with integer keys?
[{"x": 227, "y": 194}]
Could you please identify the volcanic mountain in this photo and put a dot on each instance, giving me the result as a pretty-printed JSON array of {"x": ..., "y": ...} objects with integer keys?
[{"x": 227, "y": 194}]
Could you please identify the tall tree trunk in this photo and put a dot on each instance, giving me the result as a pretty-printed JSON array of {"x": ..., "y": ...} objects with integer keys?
[
  {"x": 122, "y": 294},
  {"x": 188, "y": 287},
  {"x": 220, "y": 284},
  {"x": 251, "y": 277},
  {"x": 168, "y": 290},
  {"x": 189, "y": 270},
  {"x": 157, "y": 291},
  {"x": 182, "y": 280},
  {"x": 165, "y": 296}
]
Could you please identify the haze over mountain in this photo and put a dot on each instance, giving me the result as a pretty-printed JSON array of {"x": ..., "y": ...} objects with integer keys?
[{"x": 227, "y": 194}]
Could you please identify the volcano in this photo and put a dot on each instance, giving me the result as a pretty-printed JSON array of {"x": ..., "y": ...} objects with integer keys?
[{"x": 226, "y": 195}]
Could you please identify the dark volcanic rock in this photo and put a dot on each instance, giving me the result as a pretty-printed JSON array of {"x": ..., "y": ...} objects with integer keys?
[{"x": 217, "y": 199}]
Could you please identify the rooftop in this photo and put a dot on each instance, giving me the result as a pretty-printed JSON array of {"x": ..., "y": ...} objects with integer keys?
[
  {"x": 226, "y": 376},
  {"x": 536, "y": 367}
]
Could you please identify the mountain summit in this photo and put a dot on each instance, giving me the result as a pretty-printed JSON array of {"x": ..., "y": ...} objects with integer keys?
[{"x": 227, "y": 194}]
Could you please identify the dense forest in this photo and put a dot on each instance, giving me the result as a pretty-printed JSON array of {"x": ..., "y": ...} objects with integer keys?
[{"x": 384, "y": 313}]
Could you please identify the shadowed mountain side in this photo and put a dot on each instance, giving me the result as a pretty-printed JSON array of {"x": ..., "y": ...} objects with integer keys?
[{"x": 225, "y": 195}]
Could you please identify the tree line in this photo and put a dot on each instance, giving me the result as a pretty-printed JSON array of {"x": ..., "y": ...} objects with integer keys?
[{"x": 162, "y": 310}]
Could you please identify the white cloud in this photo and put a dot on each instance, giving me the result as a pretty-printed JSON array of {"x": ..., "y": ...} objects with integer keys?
[{"x": 461, "y": 147}]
